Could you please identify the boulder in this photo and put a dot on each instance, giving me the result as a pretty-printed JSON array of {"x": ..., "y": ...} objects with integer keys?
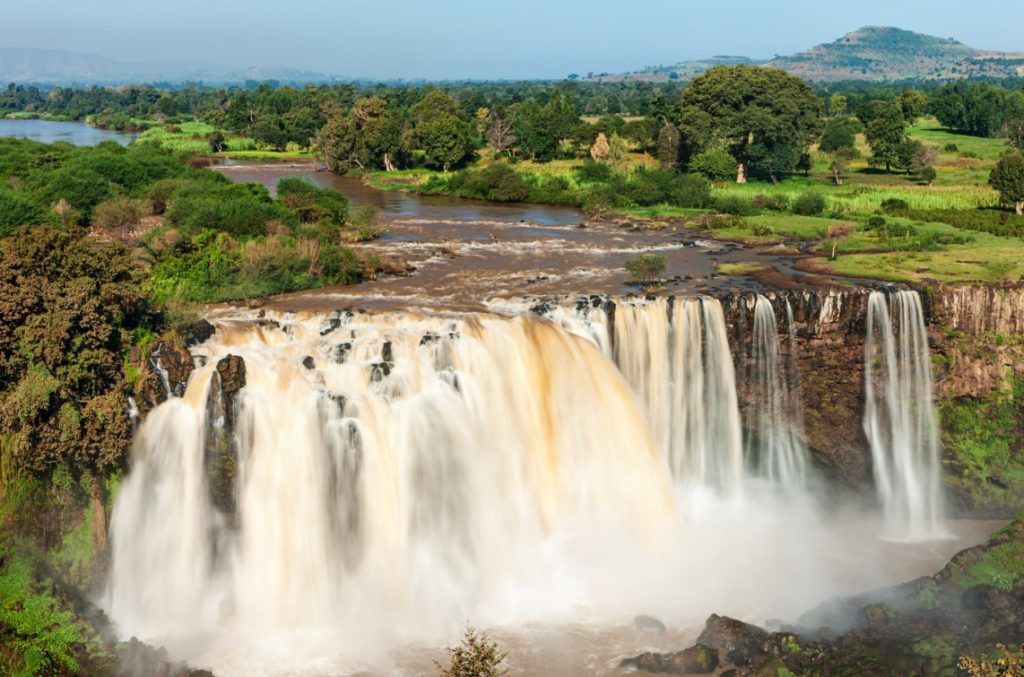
[{"x": 697, "y": 660}]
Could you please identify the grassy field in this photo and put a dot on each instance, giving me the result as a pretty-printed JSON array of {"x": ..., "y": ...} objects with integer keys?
[{"x": 193, "y": 137}]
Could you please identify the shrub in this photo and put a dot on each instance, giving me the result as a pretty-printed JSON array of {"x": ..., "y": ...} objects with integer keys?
[
  {"x": 875, "y": 222},
  {"x": 894, "y": 205},
  {"x": 716, "y": 165},
  {"x": 762, "y": 230},
  {"x": 775, "y": 203},
  {"x": 646, "y": 267},
  {"x": 118, "y": 217},
  {"x": 476, "y": 656},
  {"x": 16, "y": 211},
  {"x": 311, "y": 202},
  {"x": 238, "y": 216},
  {"x": 730, "y": 204},
  {"x": 809, "y": 204},
  {"x": 82, "y": 188},
  {"x": 950, "y": 148},
  {"x": 594, "y": 172},
  {"x": 497, "y": 182},
  {"x": 690, "y": 191}
]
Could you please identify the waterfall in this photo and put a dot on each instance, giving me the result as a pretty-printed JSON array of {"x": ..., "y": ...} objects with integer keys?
[
  {"x": 332, "y": 486},
  {"x": 776, "y": 450},
  {"x": 679, "y": 365},
  {"x": 899, "y": 417},
  {"x": 421, "y": 466}
]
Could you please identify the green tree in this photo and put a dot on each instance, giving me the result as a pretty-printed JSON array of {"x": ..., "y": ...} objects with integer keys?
[
  {"x": 913, "y": 104},
  {"x": 886, "y": 131},
  {"x": 445, "y": 141},
  {"x": 217, "y": 141},
  {"x": 369, "y": 136},
  {"x": 716, "y": 165},
  {"x": 839, "y": 142},
  {"x": 1008, "y": 178},
  {"x": 837, "y": 105},
  {"x": 668, "y": 146},
  {"x": 980, "y": 109},
  {"x": 763, "y": 116}
]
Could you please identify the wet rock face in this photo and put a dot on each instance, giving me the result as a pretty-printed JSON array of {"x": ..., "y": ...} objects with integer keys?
[
  {"x": 829, "y": 327},
  {"x": 697, "y": 660},
  {"x": 221, "y": 448},
  {"x": 165, "y": 373}
]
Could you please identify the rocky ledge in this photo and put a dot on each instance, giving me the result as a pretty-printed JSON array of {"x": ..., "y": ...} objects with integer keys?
[{"x": 923, "y": 627}]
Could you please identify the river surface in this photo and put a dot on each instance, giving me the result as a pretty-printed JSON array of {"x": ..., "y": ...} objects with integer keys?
[
  {"x": 48, "y": 131},
  {"x": 462, "y": 253}
]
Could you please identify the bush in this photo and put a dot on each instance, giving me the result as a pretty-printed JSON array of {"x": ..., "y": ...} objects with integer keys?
[
  {"x": 594, "y": 172},
  {"x": 729, "y": 204},
  {"x": 809, "y": 204},
  {"x": 646, "y": 267},
  {"x": 242, "y": 217},
  {"x": 497, "y": 182},
  {"x": 311, "y": 202},
  {"x": 476, "y": 656},
  {"x": 716, "y": 165},
  {"x": 82, "y": 188},
  {"x": 690, "y": 191},
  {"x": 118, "y": 217},
  {"x": 775, "y": 203},
  {"x": 950, "y": 148},
  {"x": 894, "y": 205},
  {"x": 762, "y": 230},
  {"x": 875, "y": 222},
  {"x": 16, "y": 211}
]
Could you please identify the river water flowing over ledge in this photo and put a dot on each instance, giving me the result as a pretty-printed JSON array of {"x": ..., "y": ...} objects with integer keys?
[{"x": 342, "y": 491}]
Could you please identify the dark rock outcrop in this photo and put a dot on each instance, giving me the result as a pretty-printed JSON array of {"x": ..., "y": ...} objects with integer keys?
[
  {"x": 165, "y": 372},
  {"x": 697, "y": 660},
  {"x": 918, "y": 628},
  {"x": 139, "y": 659},
  {"x": 221, "y": 451}
]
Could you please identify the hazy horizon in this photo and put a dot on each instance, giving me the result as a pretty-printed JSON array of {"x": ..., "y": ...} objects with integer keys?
[{"x": 459, "y": 39}]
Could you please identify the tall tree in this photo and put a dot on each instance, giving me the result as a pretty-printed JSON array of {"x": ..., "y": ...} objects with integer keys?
[
  {"x": 839, "y": 142},
  {"x": 668, "y": 146},
  {"x": 885, "y": 134},
  {"x": 765, "y": 117},
  {"x": 1008, "y": 178}
]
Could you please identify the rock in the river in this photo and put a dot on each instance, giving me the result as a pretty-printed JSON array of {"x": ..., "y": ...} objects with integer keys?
[
  {"x": 648, "y": 623},
  {"x": 697, "y": 660},
  {"x": 221, "y": 451}
]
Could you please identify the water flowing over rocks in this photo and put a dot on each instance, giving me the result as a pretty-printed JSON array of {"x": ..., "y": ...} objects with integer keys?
[{"x": 460, "y": 447}]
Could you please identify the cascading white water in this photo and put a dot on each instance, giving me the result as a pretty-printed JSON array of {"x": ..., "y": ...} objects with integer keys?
[
  {"x": 421, "y": 469},
  {"x": 899, "y": 416},
  {"x": 400, "y": 474},
  {"x": 683, "y": 374},
  {"x": 776, "y": 450}
]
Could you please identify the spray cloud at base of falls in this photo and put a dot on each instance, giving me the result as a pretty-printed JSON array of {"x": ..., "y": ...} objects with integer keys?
[
  {"x": 396, "y": 474},
  {"x": 899, "y": 416}
]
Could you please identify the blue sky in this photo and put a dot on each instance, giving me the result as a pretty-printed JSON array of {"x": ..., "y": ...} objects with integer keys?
[{"x": 480, "y": 38}]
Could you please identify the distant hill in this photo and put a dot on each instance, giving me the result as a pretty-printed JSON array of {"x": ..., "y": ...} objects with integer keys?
[
  {"x": 62, "y": 67},
  {"x": 684, "y": 70},
  {"x": 874, "y": 53},
  {"x": 881, "y": 53}
]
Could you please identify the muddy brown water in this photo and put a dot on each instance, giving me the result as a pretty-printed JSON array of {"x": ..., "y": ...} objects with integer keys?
[{"x": 465, "y": 252}]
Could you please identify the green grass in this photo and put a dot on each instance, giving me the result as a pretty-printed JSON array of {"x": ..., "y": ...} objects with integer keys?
[
  {"x": 985, "y": 258},
  {"x": 930, "y": 131},
  {"x": 742, "y": 268}
]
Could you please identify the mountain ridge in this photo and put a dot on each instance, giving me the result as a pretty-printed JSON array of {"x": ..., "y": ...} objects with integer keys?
[{"x": 870, "y": 53}]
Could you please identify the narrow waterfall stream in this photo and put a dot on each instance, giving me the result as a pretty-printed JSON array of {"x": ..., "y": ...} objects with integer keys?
[
  {"x": 899, "y": 416},
  {"x": 382, "y": 479},
  {"x": 776, "y": 450}
]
